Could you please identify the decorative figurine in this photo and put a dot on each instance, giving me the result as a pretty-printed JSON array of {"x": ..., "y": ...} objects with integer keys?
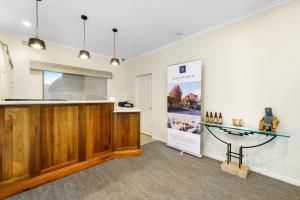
[
  {"x": 5, "y": 48},
  {"x": 238, "y": 122},
  {"x": 269, "y": 122}
]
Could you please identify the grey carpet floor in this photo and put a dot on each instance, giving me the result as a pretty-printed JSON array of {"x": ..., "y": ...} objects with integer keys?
[{"x": 162, "y": 174}]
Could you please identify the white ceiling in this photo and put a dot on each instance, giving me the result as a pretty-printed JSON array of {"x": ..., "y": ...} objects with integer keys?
[{"x": 144, "y": 25}]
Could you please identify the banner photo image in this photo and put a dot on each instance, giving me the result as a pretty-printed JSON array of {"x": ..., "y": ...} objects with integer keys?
[{"x": 184, "y": 107}]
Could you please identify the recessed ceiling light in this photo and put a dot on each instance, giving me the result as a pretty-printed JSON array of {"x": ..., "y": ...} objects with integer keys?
[{"x": 26, "y": 24}]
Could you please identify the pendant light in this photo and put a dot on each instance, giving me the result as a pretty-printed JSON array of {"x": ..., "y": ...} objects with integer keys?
[
  {"x": 36, "y": 42},
  {"x": 115, "y": 61},
  {"x": 84, "y": 54}
]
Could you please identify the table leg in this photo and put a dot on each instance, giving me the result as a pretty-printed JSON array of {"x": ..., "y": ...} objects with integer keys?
[{"x": 241, "y": 157}]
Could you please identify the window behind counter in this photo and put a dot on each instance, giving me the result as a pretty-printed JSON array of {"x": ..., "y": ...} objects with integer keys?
[{"x": 62, "y": 86}]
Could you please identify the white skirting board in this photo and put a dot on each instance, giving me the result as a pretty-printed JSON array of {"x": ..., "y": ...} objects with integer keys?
[
  {"x": 254, "y": 169},
  {"x": 263, "y": 172}
]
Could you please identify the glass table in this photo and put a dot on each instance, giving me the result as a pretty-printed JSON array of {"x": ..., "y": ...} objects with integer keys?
[{"x": 240, "y": 132}]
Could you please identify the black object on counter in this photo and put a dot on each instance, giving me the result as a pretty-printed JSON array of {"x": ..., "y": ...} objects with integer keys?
[{"x": 125, "y": 104}]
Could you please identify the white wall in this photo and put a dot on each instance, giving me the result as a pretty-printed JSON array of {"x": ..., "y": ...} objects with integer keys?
[
  {"x": 249, "y": 65},
  {"x": 28, "y": 83}
]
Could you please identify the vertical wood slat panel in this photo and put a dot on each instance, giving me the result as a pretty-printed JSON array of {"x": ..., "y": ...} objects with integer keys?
[
  {"x": 47, "y": 140},
  {"x": 126, "y": 131},
  {"x": 96, "y": 128},
  {"x": 73, "y": 127},
  {"x": 134, "y": 129},
  {"x": 1, "y": 140},
  {"x": 20, "y": 142},
  {"x": 106, "y": 115},
  {"x": 82, "y": 133},
  {"x": 7, "y": 154},
  {"x": 60, "y": 129},
  {"x": 35, "y": 142},
  {"x": 17, "y": 138}
]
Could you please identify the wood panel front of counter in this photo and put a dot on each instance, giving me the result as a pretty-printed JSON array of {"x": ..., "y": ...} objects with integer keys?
[
  {"x": 41, "y": 143},
  {"x": 127, "y": 132}
]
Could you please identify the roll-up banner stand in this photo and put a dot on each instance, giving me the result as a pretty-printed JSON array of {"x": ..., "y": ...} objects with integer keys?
[{"x": 184, "y": 83}]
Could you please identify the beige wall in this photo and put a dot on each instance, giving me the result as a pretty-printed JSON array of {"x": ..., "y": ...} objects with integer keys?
[
  {"x": 248, "y": 65},
  {"x": 28, "y": 83}
]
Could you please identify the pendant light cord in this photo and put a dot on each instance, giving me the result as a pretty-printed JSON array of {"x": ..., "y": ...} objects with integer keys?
[
  {"x": 114, "y": 44},
  {"x": 37, "y": 18},
  {"x": 83, "y": 34}
]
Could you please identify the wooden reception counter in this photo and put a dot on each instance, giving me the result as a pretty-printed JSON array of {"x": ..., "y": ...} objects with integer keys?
[{"x": 41, "y": 141}]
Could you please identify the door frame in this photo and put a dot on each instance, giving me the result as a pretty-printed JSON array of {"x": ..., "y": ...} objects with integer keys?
[{"x": 136, "y": 94}]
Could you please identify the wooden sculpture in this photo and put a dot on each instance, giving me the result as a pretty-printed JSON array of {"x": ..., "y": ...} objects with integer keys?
[
  {"x": 269, "y": 122},
  {"x": 5, "y": 48}
]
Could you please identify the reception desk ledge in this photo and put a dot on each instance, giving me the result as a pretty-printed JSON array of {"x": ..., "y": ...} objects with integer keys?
[
  {"x": 38, "y": 102},
  {"x": 126, "y": 110}
]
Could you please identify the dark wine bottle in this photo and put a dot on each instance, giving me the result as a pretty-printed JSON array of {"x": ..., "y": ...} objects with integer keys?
[
  {"x": 220, "y": 119},
  {"x": 216, "y": 120},
  {"x": 206, "y": 117},
  {"x": 211, "y": 117}
]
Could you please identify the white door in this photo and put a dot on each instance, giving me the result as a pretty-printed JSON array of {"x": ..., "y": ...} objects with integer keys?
[{"x": 144, "y": 102}]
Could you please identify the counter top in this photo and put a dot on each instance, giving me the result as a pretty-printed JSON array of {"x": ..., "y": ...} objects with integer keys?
[
  {"x": 126, "y": 110},
  {"x": 51, "y": 102},
  {"x": 116, "y": 110}
]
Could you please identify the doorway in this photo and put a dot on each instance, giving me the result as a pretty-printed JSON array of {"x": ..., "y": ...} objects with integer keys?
[{"x": 144, "y": 102}]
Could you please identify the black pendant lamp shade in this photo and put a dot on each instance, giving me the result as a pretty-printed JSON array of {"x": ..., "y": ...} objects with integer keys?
[
  {"x": 36, "y": 42},
  {"x": 84, "y": 54},
  {"x": 115, "y": 61}
]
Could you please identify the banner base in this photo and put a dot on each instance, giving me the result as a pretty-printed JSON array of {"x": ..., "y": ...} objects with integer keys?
[{"x": 183, "y": 151}]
